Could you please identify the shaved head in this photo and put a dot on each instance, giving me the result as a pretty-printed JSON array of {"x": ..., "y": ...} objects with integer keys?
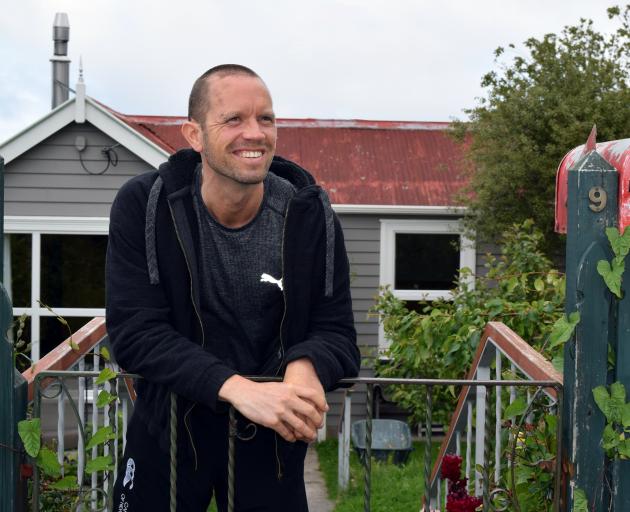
[{"x": 199, "y": 100}]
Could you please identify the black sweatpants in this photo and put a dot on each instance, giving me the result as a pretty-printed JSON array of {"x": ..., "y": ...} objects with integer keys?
[{"x": 269, "y": 470}]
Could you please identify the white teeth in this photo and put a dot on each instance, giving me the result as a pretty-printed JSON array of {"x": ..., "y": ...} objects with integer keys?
[{"x": 251, "y": 154}]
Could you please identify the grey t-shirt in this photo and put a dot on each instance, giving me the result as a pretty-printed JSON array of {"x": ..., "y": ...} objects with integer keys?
[{"x": 241, "y": 297}]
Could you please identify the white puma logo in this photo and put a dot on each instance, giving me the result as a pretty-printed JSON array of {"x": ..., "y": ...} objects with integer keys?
[
  {"x": 130, "y": 471},
  {"x": 266, "y": 278}
]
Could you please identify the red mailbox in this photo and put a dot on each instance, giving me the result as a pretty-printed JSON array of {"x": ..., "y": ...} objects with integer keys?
[{"x": 617, "y": 152}]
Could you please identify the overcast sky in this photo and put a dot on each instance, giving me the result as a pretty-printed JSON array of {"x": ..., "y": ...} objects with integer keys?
[{"x": 346, "y": 59}]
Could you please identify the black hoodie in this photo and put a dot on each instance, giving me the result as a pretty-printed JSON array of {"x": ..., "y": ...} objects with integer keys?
[{"x": 153, "y": 286}]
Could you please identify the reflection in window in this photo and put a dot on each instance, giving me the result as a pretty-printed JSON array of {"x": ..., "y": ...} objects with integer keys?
[
  {"x": 73, "y": 270},
  {"x": 17, "y": 278},
  {"x": 426, "y": 261}
]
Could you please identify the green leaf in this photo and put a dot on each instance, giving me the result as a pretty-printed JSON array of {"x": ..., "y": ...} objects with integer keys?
[
  {"x": 563, "y": 328},
  {"x": 558, "y": 362},
  {"x": 105, "y": 375},
  {"x": 612, "y": 274},
  {"x": 539, "y": 285},
  {"x": 100, "y": 436},
  {"x": 67, "y": 483},
  {"x": 580, "y": 503},
  {"x": 620, "y": 243},
  {"x": 30, "y": 432},
  {"x": 617, "y": 401},
  {"x": 516, "y": 408},
  {"x": 47, "y": 460},
  {"x": 602, "y": 399},
  {"x": 102, "y": 463},
  {"x": 624, "y": 448},
  {"x": 104, "y": 398},
  {"x": 73, "y": 344},
  {"x": 105, "y": 353},
  {"x": 625, "y": 415},
  {"x": 610, "y": 438},
  {"x": 618, "y": 392}
]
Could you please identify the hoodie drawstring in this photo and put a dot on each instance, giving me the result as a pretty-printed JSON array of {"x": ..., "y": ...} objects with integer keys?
[
  {"x": 330, "y": 243},
  {"x": 150, "y": 232}
]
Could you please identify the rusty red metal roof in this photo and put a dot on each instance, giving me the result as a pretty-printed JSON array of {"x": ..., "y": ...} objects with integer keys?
[{"x": 358, "y": 162}]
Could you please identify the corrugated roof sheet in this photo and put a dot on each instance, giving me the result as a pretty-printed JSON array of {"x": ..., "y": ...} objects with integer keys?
[{"x": 357, "y": 162}]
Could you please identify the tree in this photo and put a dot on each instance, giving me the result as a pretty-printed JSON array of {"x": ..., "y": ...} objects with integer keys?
[{"x": 538, "y": 107}]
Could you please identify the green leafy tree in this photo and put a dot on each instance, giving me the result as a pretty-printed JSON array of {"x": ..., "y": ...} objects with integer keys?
[{"x": 537, "y": 107}]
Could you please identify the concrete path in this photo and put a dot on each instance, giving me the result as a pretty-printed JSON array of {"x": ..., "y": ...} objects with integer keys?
[{"x": 315, "y": 487}]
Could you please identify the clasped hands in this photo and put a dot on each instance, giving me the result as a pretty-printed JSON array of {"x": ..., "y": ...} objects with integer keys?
[{"x": 294, "y": 408}]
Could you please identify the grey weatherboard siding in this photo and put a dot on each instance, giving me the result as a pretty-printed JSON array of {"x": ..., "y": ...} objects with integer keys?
[{"x": 48, "y": 179}]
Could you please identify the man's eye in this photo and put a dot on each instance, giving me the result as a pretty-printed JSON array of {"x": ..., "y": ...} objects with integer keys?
[
  {"x": 268, "y": 119},
  {"x": 233, "y": 120}
]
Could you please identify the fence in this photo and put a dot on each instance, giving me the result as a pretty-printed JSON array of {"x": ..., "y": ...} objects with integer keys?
[{"x": 67, "y": 378}]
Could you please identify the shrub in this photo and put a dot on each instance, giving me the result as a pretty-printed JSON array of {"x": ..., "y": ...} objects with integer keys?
[{"x": 521, "y": 289}]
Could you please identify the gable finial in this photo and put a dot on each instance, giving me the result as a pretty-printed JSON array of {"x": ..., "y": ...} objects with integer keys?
[
  {"x": 81, "y": 69},
  {"x": 591, "y": 142},
  {"x": 79, "y": 107}
]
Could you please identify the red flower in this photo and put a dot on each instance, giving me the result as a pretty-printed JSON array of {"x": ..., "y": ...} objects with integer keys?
[
  {"x": 467, "y": 504},
  {"x": 451, "y": 467},
  {"x": 457, "y": 499}
]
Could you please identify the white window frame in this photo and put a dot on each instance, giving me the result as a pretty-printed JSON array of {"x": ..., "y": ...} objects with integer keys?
[
  {"x": 36, "y": 227},
  {"x": 389, "y": 229}
]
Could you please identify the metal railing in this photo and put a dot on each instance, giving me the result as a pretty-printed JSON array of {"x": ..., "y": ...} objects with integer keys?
[
  {"x": 499, "y": 348},
  {"x": 471, "y": 422},
  {"x": 476, "y": 437}
]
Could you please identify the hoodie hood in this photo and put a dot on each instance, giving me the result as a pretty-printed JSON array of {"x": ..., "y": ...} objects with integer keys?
[{"x": 177, "y": 173}]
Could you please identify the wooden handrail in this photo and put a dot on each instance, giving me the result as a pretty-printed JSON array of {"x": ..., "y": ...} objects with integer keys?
[
  {"x": 63, "y": 356},
  {"x": 521, "y": 353}
]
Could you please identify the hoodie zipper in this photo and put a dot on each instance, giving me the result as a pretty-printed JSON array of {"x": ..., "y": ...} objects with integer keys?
[
  {"x": 284, "y": 314},
  {"x": 203, "y": 336},
  {"x": 284, "y": 293}
]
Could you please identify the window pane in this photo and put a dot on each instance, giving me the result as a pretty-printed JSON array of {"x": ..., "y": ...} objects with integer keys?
[
  {"x": 53, "y": 332},
  {"x": 73, "y": 271},
  {"x": 18, "y": 280},
  {"x": 426, "y": 261}
]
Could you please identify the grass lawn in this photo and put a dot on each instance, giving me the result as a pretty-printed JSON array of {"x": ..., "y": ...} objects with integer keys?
[{"x": 394, "y": 488}]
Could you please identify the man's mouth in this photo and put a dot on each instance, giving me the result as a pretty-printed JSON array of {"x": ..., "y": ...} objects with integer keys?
[{"x": 249, "y": 153}]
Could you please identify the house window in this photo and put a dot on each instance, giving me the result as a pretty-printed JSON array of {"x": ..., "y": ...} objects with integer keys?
[
  {"x": 60, "y": 262},
  {"x": 420, "y": 259}
]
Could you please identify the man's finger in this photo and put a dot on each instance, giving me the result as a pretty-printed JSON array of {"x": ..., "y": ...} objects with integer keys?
[
  {"x": 306, "y": 410},
  {"x": 299, "y": 427},
  {"x": 312, "y": 395},
  {"x": 286, "y": 433}
]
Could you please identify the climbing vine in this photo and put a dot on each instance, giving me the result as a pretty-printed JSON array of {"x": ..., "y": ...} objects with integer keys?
[
  {"x": 612, "y": 271},
  {"x": 60, "y": 483}
]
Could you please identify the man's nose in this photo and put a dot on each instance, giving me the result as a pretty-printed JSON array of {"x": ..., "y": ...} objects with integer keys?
[{"x": 252, "y": 130}]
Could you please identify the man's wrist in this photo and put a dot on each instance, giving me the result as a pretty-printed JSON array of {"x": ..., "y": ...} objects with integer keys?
[
  {"x": 232, "y": 387},
  {"x": 300, "y": 367}
]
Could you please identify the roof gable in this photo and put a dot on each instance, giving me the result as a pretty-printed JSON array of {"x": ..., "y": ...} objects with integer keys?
[{"x": 79, "y": 110}]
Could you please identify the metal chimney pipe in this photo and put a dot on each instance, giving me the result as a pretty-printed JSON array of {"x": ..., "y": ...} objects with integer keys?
[{"x": 60, "y": 60}]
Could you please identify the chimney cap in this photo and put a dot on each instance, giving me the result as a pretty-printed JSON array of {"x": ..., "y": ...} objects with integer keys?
[
  {"x": 61, "y": 20},
  {"x": 61, "y": 28}
]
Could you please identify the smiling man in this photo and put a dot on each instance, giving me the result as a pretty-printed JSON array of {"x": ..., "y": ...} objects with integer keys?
[{"x": 225, "y": 263}]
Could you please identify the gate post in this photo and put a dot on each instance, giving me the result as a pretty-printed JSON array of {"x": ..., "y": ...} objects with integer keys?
[
  {"x": 13, "y": 395},
  {"x": 592, "y": 207}
]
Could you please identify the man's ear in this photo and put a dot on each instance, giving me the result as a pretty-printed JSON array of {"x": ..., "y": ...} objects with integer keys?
[{"x": 191, "y": 130}]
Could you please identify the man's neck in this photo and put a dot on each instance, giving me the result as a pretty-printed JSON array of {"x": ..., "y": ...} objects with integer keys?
[{"x": 231, "y": 203}]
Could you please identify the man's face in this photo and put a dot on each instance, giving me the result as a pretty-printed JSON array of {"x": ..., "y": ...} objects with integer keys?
[{"x": 239, "y": 132}]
